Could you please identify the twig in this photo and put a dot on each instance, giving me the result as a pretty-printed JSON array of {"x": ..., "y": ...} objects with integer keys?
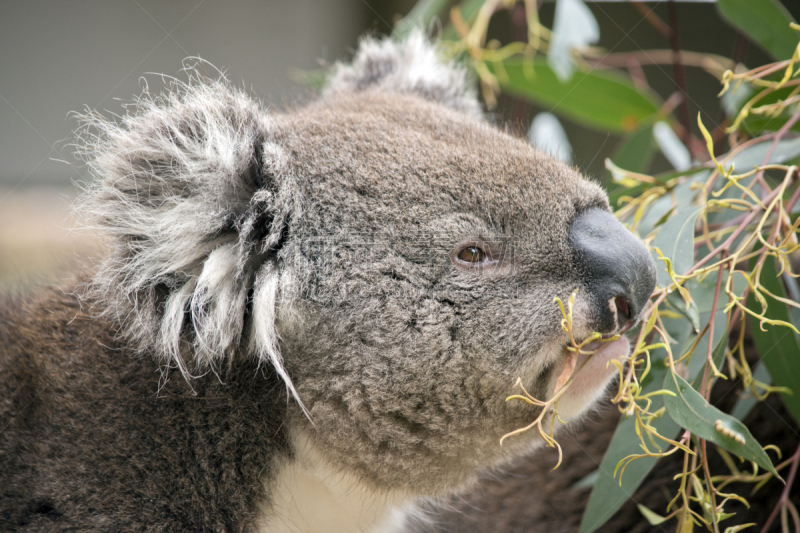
[
  {"x": 705, "y": 390},
  {"x": 680, "y": 81},
  {"x": 726, "y": 245},
  {"x": 711, "y": 491},
  {"x": 775, "y": 140},
  {"x": 785, "y": 494},
  {"x": 653, "y": 19},
  {"x": 713, "y": 64}
]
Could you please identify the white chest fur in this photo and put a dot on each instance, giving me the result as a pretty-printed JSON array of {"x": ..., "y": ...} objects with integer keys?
[{"x": 310, "y": 496}]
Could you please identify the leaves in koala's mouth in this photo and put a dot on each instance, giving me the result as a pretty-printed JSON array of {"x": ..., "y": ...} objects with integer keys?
[{"x": 587, "y": 347}]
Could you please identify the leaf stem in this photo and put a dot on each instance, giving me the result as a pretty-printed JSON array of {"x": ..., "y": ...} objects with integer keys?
[{"x": 785, "y": 494}]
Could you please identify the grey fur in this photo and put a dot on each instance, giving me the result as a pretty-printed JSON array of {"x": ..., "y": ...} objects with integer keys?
[
  {"x": 317, "y": 245},
  {"x": 410, "y": 66}
]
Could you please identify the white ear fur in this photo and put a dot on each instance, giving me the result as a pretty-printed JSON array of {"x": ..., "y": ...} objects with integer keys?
[
  {"x": 190, "y": 190},
  {"x": 264, "y": 340},
  {"x": 409, "y": 66}
]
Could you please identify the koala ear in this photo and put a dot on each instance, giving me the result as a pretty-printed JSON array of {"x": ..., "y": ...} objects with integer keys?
[
  {"x": 189, "y": 189},
  {"x": 409, "y": 66}
]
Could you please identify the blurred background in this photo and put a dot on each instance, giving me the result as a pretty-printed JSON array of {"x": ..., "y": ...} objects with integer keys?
[{"x": 57, "y": 58}]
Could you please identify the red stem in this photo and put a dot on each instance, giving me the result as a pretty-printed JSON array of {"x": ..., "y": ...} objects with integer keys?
[
  {"x": 785, "y": 494},
  {"x": 725, "y": 245},
  {"x": 775, "y": 140}
]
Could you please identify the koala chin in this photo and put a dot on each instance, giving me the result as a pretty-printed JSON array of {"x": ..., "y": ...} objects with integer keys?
[{"x": 305, "y": 320}]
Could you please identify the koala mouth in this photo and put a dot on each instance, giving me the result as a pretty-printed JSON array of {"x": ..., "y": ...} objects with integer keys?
[{"x": 598, "y": 356}]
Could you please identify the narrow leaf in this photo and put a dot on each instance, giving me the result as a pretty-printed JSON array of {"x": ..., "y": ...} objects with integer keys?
[
  {"x": 610, "y": 493},
  {"x": 764, "y": 21},
  {"x": 692, "y": 412},
  {"x": 675, "y": 239},
  {"x": 635, "y": 151},
  {"x": 778, "y": 345},
  {"x": 746, "y": 403},
  {"x": 602, "y": 100},
  {"x": 690, "y": 312},
  {"x": 653, "y": 518}
]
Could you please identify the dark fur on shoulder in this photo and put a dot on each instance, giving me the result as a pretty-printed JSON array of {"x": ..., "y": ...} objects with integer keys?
[{"x": 94, "y": 438}]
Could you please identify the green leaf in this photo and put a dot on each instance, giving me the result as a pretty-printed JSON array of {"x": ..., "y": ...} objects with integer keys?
[
  {"x": 766, "y": 22},
  {"x": 778, "y": 345},
  {"x": 469, "y": 8},
  {"x": 607, "y": 101},
  {"x": 608, "y": 495},
  {"x": 692, "y": 412},
  {"x": 690, "y": 312},
  {"x": 635, "y": 151},
  {"x": 719, "y": 342},
  {"x": 754, "y": 156},
  {"x": 420, "y": 16},
  {"x": 675, "y": 239},
  {"x": 746, "y": 403},
  {"x": 653, "y": 518},
  {"x": 754, "y": 125},
  {"x": 587, "y": 481},
  {"x": 313, "y": 78}
]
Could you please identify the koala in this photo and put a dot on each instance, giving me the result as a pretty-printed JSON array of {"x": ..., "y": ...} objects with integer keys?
[{"x": 306, "y": 320}]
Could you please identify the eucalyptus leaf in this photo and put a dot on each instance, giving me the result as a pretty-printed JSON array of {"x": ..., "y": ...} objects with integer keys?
[
  {"x": 635, "y": 151},
  {"x": 734, "y": 98},
  {"x": 603, "y": 100},
  {"x": 664, "y": 208},
  {"x": 754, "y": 156},
  {"x": 765, "y": 22},
  {"x": 616, "y": 194},
  {"x": 746, "y": 402},
  {"x": 652, "y": 518},
  {"x": 719, "y": 343},
  {"x": 692, "y": 412},
  {"x": 675, "y": 239},
  {"x": 609, "y": 493},
  {"x": 690, "y": 311},
  {"x": 777, "y": 345}
]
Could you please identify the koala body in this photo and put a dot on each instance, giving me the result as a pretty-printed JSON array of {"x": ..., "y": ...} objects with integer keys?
[{"x": 300, "y": 313}]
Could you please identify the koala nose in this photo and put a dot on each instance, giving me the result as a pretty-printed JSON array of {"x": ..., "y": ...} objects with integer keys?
[{"x": 615, "y": 265}]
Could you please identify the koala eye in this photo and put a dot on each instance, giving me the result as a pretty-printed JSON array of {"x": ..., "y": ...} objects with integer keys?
[{"x": 471, "y": 254}]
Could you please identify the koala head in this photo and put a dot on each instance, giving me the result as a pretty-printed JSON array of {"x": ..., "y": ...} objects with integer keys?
[{"x": 390, "y": 253}]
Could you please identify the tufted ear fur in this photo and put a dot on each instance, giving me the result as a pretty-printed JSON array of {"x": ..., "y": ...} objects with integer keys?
[
  {"x": 189, "y": 190},
  {"x": 410, "y": 66}
]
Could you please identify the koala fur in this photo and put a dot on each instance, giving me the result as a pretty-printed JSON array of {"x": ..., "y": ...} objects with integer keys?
[{"x": 282, "y": 298}]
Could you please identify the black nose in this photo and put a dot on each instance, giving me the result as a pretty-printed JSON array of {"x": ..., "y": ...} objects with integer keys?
[{"x": 615, "y": 265}]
